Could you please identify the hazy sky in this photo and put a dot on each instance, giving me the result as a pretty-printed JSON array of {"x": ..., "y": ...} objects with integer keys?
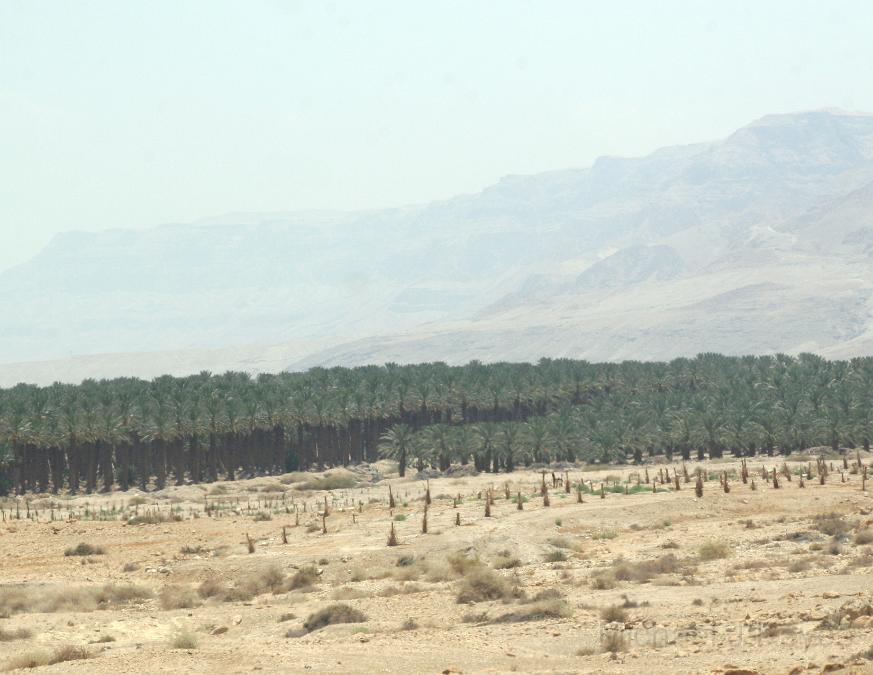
[{"x": 120, "y": 113}]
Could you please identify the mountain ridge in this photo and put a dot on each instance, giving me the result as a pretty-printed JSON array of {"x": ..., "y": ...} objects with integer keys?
[{"x": 783, "y": 205}]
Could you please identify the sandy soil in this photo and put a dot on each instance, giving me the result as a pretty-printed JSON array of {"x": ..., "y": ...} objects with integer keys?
[{"x": 760, "y": 602}]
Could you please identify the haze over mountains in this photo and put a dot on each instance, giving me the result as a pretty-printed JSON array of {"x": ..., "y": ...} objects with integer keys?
[{"x": 758, "y": 243}]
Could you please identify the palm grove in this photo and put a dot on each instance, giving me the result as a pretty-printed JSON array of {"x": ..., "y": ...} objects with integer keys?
[{"x": 124, "y": 432}]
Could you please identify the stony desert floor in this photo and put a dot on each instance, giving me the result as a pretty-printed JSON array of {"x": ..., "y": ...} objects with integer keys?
[{"x": 752, "y": 580}]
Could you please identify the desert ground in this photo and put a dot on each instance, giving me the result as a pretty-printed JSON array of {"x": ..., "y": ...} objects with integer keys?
[{"x": 198, "y": 577}]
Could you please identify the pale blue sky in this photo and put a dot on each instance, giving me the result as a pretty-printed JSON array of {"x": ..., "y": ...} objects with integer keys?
[{"x": 120, "y": 113}]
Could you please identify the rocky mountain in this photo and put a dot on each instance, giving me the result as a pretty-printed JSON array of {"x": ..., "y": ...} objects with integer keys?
[{"x": 757, "y": 243}]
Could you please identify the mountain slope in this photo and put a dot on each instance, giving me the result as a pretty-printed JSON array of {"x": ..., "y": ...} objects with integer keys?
[{"x": 757, "y": 243}]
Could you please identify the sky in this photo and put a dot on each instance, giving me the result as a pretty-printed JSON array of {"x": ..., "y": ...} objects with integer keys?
[{"x": 133, "y": 114}]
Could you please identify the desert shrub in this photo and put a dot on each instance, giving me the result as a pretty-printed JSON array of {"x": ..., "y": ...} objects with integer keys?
[
  {"x": 15, "y": 634},
  {"x": 82, "y": 549},
  {"x": 602, "y": 581},
  {"x": 645, "y": 570},
  {"x": 834, "y": 546},
  {"x": 333, "y": 614},
  {"x": 605, "y": 534},
  {"x": 28, "y": 660},
  {"x": 482, "y": 584},
  {"x": 130, "y": 567},
  {"x": 697, "y": 602},
  {"x": 103, "y": 639},
  {"x": 184, "y": 640},
  {"x": 801, "y": 565},
  {"x": 553, "y": 608},
  {"x": 154, "y": 518},
  {"x": 400, "y": 517},
  {"x": 462, "y": 564},
  {"x": 776, "y": 630},
  {"x": 305, "y": 577},
  {"x": 405, "y": 560},
  {"x": 506, "y": 562},
  {"x": 713, "y": 550},
  {"x": 330, "y": 482},
  {"x": 62, "y": 654},
  {"x": 267, "y": 580},
  {"x": 211, "y": 588},
  {"x": 287, "y": 616},
  {"x": 555, "y": 556},
  {"x": 476, "y": 617},
  {"x": 864, "y": 537},
  {"x": 831, "y": 524},
  {"x": 192, "y": 550},
  {"x": 178, "y": 597},
  {"x": 359, "y": 574},
  {"x": 42, "y": 599},
  {"x": 566, "y": 543},
  {"x": 138, "y": 500},
  {"x": 547, "y": 594},
  {"x": 613, "y": 613},
  {"x": 403, "y": 589},
  {"x": 751, "y": 565},
  {"x": 613, "y": 641},
  {"x": 261, "y": 516},
  {"x": 348, "y": 593},
  {"x": 863, "y": 560}
]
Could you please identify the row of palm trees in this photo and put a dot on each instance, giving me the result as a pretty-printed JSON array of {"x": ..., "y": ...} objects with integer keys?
[{"x": 204, "y": 427}]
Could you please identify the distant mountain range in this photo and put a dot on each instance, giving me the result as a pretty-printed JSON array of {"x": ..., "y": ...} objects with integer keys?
[{"x": 758, "y": 243}]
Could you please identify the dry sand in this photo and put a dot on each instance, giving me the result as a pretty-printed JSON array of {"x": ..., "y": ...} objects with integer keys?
[{"x": 760, "y": 608}]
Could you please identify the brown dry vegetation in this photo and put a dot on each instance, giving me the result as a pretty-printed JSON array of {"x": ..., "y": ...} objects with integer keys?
[{"x": 638, "y": 582}]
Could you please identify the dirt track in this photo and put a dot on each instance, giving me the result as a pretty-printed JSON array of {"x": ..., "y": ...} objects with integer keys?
[{"x": 759, "y": 608}]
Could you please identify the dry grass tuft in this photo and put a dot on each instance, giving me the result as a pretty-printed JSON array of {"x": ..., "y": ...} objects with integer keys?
[
  {"x": 184, "y": 640},
  {"x": 37, "y": 659},
  {"x": 178, "y": 597},
  {"x": 15, "y": 634},
  {"x": 349, "y": 593},
  {"x": 402, "y": 589},
  {"x": 646, "y": 570},
  {"x": 603, "y": 581},
  {"x": 613, "y": 641},
  {"x": 713, "y": 550},
  {"x": 462, "y": 564},
  {"x": 154, "y": 518},
  {"x": 47, "y": 599}
]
